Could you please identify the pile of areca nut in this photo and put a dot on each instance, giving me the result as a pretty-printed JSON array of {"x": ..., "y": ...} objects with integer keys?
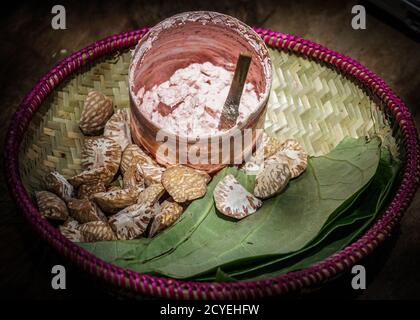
[{"x": 123, "y": 193}]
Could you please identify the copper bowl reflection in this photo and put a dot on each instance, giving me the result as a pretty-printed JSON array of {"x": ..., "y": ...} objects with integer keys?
[{"x": 197, "y": 37}]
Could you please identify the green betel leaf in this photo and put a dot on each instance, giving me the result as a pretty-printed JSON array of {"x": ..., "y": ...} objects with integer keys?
[
  {"x": 221, "y": 276},
  {"x": 347, "y": 226},
  {"x": 202, "y": 240}
]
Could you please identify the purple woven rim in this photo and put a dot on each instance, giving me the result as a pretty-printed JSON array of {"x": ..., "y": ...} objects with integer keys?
[{"x": 138, "y": 283}]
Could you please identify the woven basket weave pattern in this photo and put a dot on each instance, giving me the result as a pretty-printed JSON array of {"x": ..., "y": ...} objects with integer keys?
[
  {"x": 54, "y": 140},
  {"x": 403, "y": 127},
  {"x": 302, "y": 91}
]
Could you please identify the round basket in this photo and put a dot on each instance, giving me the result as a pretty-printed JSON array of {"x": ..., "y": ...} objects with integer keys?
[{"x": 349, "y": 99}]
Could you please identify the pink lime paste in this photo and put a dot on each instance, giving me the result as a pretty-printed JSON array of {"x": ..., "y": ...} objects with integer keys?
[{"x": 191, "y": 101}]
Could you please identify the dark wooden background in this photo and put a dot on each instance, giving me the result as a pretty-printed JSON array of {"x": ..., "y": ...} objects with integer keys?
[{"x": 30, "y": 47}]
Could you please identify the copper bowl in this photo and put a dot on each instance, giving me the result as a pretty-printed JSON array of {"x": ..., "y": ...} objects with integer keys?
[{"x": 197, "y": 37}]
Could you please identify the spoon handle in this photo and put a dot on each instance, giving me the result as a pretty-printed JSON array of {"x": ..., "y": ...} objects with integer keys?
[{"x": 230, "y": 111}]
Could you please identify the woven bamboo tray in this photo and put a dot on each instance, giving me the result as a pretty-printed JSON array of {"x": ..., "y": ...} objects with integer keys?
[{"x": 309, "y": 82}]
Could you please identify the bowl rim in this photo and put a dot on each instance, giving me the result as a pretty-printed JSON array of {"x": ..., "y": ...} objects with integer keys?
[
  {"x": 137, "y": 283},
  {"x": 237, "y": 26}
]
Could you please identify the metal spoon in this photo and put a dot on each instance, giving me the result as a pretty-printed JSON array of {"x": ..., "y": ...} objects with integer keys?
[{"x": 230, "y": 111}]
